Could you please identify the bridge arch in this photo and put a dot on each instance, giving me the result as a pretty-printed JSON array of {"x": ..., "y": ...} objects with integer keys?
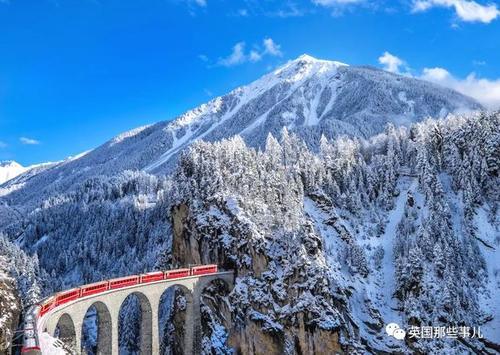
[
  {"x": 103, "y": 344},
  {"x": 65, "y": 331},
  {"x": 145, "y": 320},
  {"x": 175, "y": 308}
]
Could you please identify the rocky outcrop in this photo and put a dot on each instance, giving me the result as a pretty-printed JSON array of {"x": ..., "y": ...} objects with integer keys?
[
  {"x": 10, "y": 310},
  {"x": 294, "y": 340},
  {"x": 315, "y": 341},
  {"x": 266, "y": 312},
  {"x": 185, "y": 247},
  {"x": 252, "y": 340}
]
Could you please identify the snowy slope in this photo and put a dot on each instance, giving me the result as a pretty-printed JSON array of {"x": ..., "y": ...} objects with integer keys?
[
  {"x": 9, "y": 170},
  {"x": 309, "y": 96},
  {"x": 373, "y": 302}
]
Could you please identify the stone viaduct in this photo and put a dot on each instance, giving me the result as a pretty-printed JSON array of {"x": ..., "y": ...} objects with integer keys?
[{"x": 68, "y": 318}]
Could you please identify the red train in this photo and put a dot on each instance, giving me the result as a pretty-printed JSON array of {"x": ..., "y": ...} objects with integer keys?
[{"x": 102, "y": 286}]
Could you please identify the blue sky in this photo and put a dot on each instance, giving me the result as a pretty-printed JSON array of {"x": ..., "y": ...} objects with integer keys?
[{"x": 75, "y": 73}]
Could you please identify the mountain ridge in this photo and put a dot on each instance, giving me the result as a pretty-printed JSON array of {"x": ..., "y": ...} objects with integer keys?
[{"x": 309, "y": 96}]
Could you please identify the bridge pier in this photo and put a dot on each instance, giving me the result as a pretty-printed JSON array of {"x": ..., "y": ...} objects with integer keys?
[
  {"x": 193, "y": 342},
  {"x": 155, "y": 342},
  {"x": 105, "y": 329},
  {"x": 78, "y": 337},
  {"x": 146, "y": 324},
  {"x": 115, "y": 344}
]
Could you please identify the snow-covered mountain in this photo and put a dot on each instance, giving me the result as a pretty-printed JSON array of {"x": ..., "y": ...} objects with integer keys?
[
  {"x": 310, "y": 97},
  {"x": 328, "y": 246},
  {"x": 331, "y": 237},
  {"x": 10, "y": 169}
]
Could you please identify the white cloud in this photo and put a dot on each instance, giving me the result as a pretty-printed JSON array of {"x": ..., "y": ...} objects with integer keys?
[
  {"x": 254, "y": 56},
  {"x": 271, "y": 48},
  {"x": 28, "y": 141},
  {"x": 435, "y": 74},
  {"x": 391, "y": 62},
  {"x": 466, "y": 10},
  {"x": 331, "y": 3},
  {"x": 236, "y": 57},
  {"x": 282, "y": 9},
  {"x": 243, "y": 12},
  {"x": 239, "y": 55},
  {"x": 202, "y": 3},
  {"x": 290, "y": 10},
  {"x": 339, "y": 7},
  {"x": 486, "y": 91}
]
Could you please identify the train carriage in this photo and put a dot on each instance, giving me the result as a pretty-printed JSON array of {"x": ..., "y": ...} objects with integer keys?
[
  {"x": 203, "y": 270},
  {"x": 123, "y": 282},
  {"x": 152, "y": 276},
  {"x": 174, "y": 274},
  {"x": 47, "y": 305},
  {"x": 67, "y": 296},
  {"x": 94, "y": 288}
]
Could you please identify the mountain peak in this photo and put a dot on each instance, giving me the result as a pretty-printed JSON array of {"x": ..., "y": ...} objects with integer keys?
[
  {"x": 306, "y": 57},
  {"x": 303, "y": 67},
  {"x": 10, "y": 169},
  {"x": 10, "y": 163}
]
